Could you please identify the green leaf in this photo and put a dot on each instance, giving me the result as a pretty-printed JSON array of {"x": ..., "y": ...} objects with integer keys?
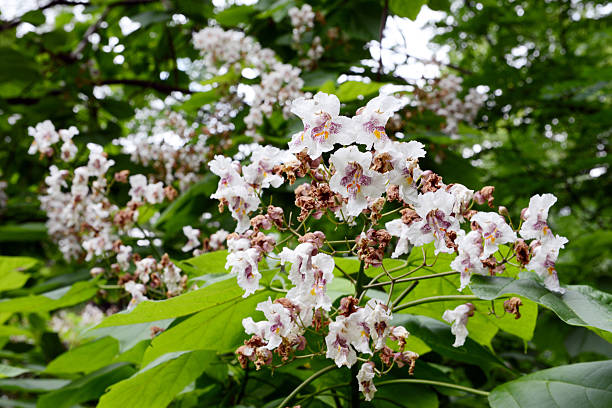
[
  {"x": 147, "y": 18},
  {"x": 483, "y": 326},
  {"x": 85, "y": 358},
  {"x": 34, "y": 385},
  {"x": 316, "y": 79},
  {"x": 579, "y": 306},
  {"x": 157, "y": 384},
  {"x": 404, "y": 8},
  {"x": 87, "y": 388},
  {"x": 351, "y": 90},
  {"x": 10, "y": 371},
  {"x": 217, "y": 328},
  {"x": 232, "y": 16},
  {"x": 10, "y": 267},
  {"x": 576, "y": 385},
  {"x": 63, "y": 297},
  {"x": 32, "y": 231},
  {"x": 34, "y": 17},
  {"x": 128, "y": 336},
  {"x": 438, "y": 336},
  {"x": 209, "y": 297},
  {"x": 207, "y": 263},
  {"x": 117, "y": 108},
  {"x": 340, "y": 287}
]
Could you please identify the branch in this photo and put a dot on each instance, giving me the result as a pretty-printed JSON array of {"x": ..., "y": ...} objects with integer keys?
[
  {"x": 6, "y": 25},
  {"x": 436, "y": 384},
  {"x": 90, "y": 30},
  {"x": 436, "y": 299}
]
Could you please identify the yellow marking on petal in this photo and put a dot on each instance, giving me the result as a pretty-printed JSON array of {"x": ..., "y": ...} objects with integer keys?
[
  {"x": 551, "y": 270},
  {"x": 312, "y": 291}
]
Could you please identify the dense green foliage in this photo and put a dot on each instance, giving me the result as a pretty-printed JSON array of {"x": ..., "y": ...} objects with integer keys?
[{"x": 545, "y": 127}]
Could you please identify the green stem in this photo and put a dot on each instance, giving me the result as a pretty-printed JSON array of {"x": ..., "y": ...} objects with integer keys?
[
  {"x": 416, "y": 278},
  {"x": 354, "y": 400},
  {"x": 307, "y": 381},
  {"x": 435, "y": 383},
  {"x": 435, "y": 299}
]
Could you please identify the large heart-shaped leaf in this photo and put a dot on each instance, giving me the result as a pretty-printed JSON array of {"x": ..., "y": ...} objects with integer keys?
[
  {"x": 219, "y": 293},
  {"x": 216, "y": 328},
  {"x": 159, "y": 382},
  {"x": 579, "y": 306},
  {"x": 86, "y": 388},
  {"x": 583, "y": 385},
  {"x": 63, "y": 297}
]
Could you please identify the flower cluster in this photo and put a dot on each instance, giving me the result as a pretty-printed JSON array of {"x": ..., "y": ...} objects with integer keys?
[
  {"x": 86, "y": 223},
  {"x": 354, "y": 169},
  {"x": 175, "y": 149},
  {"x": 70, "y": 326},
  {"x": 80, "y": 213},
  {"x": 444, "y": 101},
  {"x": 213, "y": 243},
  {"x": 302, "y": 21},
  {"x": 232, "y": 50},
  {"x": 544, "y": 248},
  {"x": 45, "y": 136}
]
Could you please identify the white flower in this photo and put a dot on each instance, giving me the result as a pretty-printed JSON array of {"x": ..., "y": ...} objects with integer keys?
[
  {"x": 217, "y": 239},
  {"x": 227, "y": 169},
  {"x": 300, "y": 258},
  {"x": 154, "y": 193},
  {"x": 365, "y": 377},
  {"x": 378, "y": 317},
  {"x": 543, "y": 261},
  {"x": 244, "y": 265},
  {"x": 359, "y": 330},
  {"x": 263, "y": 161},
  {"x": 463, "y": 197},
  {"x": 123, "y": 256},
  {"x": 138, "y": 184},
  {"x": 171, "y": 277},
  {"x": 535, "y": 216},
  {"x": 311, "y": 286},
  {"x": 354, "y": 179},
  {"x": 144, "y": 268},
  {"x": 69, "y": 151},
  {"x": 494, "y": 231},
  {"x": 232, "y": 188},
  {"x": 137, "y": 291},
  {"x": 338, "y": 343},
  {"x": 406, "y": 170},
  {"x": 280, "y": 324},
  {"x": 468, "y": 261},
  {"x": 98, "y": 164},
  {"x": 434, "y": 209},
  {"x": 459, "y": 318},
  {"x": 192, "y": 235},
  {"x": 370, "y": 121},
  {"x": 323, "y": 127},
  {"x": 44, "y": 135}
]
